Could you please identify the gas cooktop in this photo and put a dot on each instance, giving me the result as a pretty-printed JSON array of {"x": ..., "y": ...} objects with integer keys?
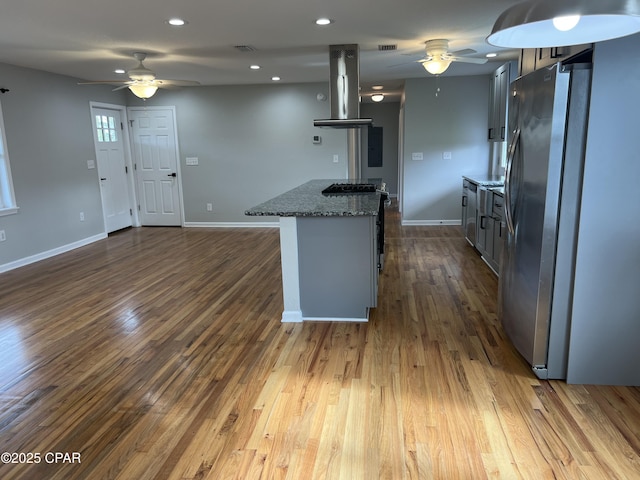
[{"x": 349, "y": 188}]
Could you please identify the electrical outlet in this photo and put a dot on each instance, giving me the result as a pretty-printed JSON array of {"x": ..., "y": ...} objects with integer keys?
[
  {"x": 417, "y": 156},
  {"x": 82, "y": 216},
  {"x": 209, "y": 207},
  {"x": 336, "y": 158},
  {"x": 446, "y": 155},
  {"x": 3, "y": 236}
]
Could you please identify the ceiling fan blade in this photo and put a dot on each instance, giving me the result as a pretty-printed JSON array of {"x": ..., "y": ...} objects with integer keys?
[
  {"x": 103, "y": 82},
  {"x": 466, "y": 51},
  {"x": 126, "y": 85},
  {"x": 175, "y": 83},
  {"x": 477, "y": 61}
]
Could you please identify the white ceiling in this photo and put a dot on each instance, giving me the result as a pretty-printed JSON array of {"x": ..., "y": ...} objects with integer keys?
[{"x": 89, "y": 39}]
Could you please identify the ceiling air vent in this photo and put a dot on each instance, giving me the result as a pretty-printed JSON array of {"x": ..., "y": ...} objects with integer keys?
[
  {"x": 244, "y": 48},
  {"x": 387, "y": 48}
]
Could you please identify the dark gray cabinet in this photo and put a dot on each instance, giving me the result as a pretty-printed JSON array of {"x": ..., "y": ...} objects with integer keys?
[
  {"x": 499, "y": 90},
  {"x": 532, "y": 59},
  {"x": 491, "y": 227},
  {"x": 469, "y": 210},
  {"x": 498, "y": 233}
]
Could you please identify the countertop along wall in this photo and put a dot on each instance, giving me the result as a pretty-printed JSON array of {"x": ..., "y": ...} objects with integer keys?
[{"x": 453, "y": 121}]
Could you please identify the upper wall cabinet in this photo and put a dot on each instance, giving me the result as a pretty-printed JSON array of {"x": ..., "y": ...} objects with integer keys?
[
  {"x": 499, "y": 90},
  {"x": 536, "y": 58}
]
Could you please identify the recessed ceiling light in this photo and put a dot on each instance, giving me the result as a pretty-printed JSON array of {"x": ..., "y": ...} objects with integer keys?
[
  {"x": 377, "y": 87},
  {"x": 324, "y": 21},
  {"x": 491, "y": 55},
  {"x": 119, "y": 70},
  {"x": 255, "y": 67},
  {"x": 176, "y": 22},
  {"x": 275, "y": 79}
]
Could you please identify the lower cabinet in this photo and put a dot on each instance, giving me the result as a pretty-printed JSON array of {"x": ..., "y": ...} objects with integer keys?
[
  {"x": 337, "y": 267},
  {"x": 483, "y": 221},
  {"x": 491, "y": 228}
]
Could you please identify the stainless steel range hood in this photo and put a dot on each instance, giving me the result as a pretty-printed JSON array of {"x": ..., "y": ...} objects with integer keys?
[{"x": 344, "y": 89}]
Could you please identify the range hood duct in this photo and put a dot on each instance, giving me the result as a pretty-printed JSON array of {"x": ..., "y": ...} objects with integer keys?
[{"x": 344, "y": 89}]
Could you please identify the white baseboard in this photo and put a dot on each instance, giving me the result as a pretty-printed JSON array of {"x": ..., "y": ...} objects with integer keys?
[
  {"x": 430, "y": 223},
  {"x": 291, "y": 316},
  {"x": 51, "y": 253},
  {"x": 274, "y": 224}
]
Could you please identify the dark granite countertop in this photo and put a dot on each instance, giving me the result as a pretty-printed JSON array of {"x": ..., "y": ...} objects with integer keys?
[{"x": 307, "y": 200}]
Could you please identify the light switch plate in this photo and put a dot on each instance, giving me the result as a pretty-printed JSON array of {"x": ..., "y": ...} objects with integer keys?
[
  {"x": 192, "y": 160},
  {"x": 446, "y": 155},
  {"x": 417, "y": 156}
]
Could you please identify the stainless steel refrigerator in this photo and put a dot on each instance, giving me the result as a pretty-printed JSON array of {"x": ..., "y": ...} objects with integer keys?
[{"x": 547, "y": 129}]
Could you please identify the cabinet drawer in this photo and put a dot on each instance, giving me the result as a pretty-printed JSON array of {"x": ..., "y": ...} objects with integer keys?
[{"x": 498, "y": 203}]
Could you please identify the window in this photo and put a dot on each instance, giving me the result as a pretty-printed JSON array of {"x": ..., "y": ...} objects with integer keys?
[
  {"x": 7, "y": 198},
  {"x": 106, "y": 129}
]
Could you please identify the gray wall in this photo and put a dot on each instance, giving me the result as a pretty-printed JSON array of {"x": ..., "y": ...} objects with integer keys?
[
  {"x": 453, "y": 121},
  {"x": 606, "y": 305},
  {"x": 385, "y": 115},
  {"x": 253, "y": 143},
  {"x": 49, "y": 140}
]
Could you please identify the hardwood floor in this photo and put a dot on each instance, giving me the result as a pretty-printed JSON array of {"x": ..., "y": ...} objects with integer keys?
[{"x": 158, "y": 353}]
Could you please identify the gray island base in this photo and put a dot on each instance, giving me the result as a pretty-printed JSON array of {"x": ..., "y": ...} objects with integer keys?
[{"x": 329, "y": 252}]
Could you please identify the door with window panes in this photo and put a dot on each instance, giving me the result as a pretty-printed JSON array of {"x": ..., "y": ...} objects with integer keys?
[{"x": 112, "y": 169}]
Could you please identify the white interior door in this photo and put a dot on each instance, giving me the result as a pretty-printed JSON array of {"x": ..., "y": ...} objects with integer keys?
[
  {"x": 112, "y": 169},
  {"x": 155, "y": 152}
]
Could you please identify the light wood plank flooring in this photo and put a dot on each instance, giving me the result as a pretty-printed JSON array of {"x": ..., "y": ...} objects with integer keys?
[{"x": 158, "y": 353}]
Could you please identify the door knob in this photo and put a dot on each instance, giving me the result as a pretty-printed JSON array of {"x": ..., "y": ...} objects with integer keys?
[
  {"x": 103, "y": 178},
  {"x": 174, "y": 174}
]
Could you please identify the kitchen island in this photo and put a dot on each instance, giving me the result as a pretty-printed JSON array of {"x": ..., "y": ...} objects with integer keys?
[{"x": 329, "y": 245}]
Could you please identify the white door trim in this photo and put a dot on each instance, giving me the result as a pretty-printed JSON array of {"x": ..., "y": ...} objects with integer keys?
[
  {"x": 177, "y": 146},
  {"x": 128, "y": 157}
]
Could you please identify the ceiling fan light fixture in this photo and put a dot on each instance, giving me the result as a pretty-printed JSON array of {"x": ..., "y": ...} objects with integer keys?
[
  {"x": 545, "y": 23},
  {"x": 143, "y": 91},
  {"x": 436, "y": 67}
]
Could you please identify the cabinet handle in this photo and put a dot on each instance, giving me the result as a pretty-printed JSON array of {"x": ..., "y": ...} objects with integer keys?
[
  {"x": 556, "y": 52},
  {"x": 482, "y": 219},
  {"x": 465, "y": 201},
  {"x": 502, "y": 131},
  {"x": 490, "y": 134}
]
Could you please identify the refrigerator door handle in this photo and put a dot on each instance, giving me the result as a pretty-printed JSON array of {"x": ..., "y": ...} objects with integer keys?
[{"x": 507, "y": 179}]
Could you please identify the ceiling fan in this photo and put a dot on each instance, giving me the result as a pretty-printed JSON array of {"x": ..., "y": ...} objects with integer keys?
[
  {"x": 438, "y": 58},
  {"x": 142, "y": 81}
]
